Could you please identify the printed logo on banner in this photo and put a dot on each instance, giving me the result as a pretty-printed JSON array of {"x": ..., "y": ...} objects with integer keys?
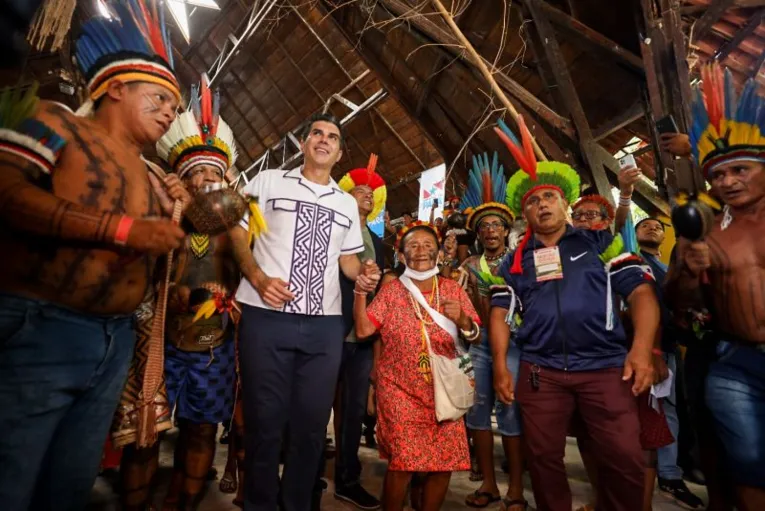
[{"x": 432, "y": 186}]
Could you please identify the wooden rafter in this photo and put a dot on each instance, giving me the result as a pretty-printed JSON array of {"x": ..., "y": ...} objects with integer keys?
[
  {"x": 356, "y": 85},
  {"x": 593, "y": 38},
  {"x": 259, "y": 108},
  {"x": 299, "y": 71},
  {"x": 570, "y": 97},
  {"x": 451, "y": 45},
  {"x": 757, "y": 66},
  {"x": 234, "y": 105},
  {"x": 711, "y": 16},
  {"x": 632, "y": 114},
  {"x": 746, "y": 31}
]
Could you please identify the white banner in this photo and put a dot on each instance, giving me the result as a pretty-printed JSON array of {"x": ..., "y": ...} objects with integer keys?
[{"x": 432, "y": 185}]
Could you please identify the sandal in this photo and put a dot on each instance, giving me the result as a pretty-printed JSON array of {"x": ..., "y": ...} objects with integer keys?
[
  {"x": 227, "y": 483},
  {"x": 475, "y": 476},
  {"x": 471, "y": 500},
  {"x": 508, "y": 503}
]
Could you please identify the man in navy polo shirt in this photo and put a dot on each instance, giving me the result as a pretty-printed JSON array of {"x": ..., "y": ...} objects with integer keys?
[{"x": 560, "y": 308}]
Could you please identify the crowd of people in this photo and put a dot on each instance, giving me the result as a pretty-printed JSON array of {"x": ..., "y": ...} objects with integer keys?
[{"x": 137, "y": 295}]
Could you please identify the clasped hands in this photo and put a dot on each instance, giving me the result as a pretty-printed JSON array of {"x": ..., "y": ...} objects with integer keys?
[{"x": 368, "y": 277}]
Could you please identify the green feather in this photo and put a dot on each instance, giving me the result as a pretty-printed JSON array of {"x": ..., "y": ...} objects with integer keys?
[
  {"x": 17, "y": 105},
  {"x": 615, "y": 249},
  {"x": 548, "y": 173}
]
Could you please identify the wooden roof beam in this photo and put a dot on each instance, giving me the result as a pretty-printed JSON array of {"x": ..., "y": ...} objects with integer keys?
[
  {"x": 299, "y": 71},
  {"x": 711, "y": 16},
  {"x": 570, "y": 97},
  {"x": 592, "y": 37},
  {"x": 627, "y": 117},
  {"x": 748, "y": 29},
  {"x": 757, "y": 66},
  {"x": 450, "y": 44},
  {"x": 356, "y": 85}
]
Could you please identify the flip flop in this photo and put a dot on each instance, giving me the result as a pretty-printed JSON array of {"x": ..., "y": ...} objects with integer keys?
[
  {"x": 508, "y": 503},
  {"x": 491, "y": 499}
]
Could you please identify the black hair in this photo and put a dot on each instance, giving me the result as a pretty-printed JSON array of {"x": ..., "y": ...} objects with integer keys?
[
  {"x": 320, "y": 117},
  {"x": 651, "y": 218}
]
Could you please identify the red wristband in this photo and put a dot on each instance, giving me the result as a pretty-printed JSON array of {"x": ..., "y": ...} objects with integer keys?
[
  {"x": 657, "y": 352},
  {"x": 123, "y": 230}
]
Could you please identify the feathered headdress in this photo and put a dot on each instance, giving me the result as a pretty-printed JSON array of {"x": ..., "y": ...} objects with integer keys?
[
  {"x": 26, "y": 137},
  {"x": 726, "y": 128},
  {"x": 600, "y": 201},
  {"x": 199, "y": 136},
  {"x": 132, "y": 46},
  {"x": 417, "y": 224},
  {"x": 532, "y": 176},
  {"x": 367, "y": 177},
  {"x": 485, "y": 193}
]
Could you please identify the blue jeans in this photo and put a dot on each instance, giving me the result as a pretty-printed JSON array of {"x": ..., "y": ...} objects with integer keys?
[
  {"x": 736, "y": 397},
  {"x": 358, "y": 358},
  {"x": 61, "y": 375},
  {"x": 667, "y": 456},
  {"x": 479, "y": 415},
  {"x": 289, "y": 365}
]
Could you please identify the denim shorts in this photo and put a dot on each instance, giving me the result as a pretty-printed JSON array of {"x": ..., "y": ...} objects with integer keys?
[
  {"x": 735, "y": 394},
  {"x": 479, "y": 415}
]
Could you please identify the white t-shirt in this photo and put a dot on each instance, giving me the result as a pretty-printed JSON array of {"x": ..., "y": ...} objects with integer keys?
[{"x": 309, "y": 227}]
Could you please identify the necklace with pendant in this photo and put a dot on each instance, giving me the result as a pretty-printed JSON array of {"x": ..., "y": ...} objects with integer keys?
[{"x": 496, "y": 257}]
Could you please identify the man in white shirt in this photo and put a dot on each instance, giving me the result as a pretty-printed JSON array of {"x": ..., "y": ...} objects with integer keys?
[{"x": 291, "y": 332}]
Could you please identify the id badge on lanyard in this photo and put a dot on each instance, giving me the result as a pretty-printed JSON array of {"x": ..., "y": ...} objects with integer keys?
[{"x": 548, "y": 264}]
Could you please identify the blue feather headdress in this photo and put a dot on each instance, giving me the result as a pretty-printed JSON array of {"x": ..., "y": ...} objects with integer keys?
[
  {"x": 132, "y": 46},
  {"x": 485, "y": 194},
  {"x": 726, "y": 128}
]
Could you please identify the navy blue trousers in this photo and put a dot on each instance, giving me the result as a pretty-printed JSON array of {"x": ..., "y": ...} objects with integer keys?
[
  {"x": 289, "y": 365},
  {"x": 61, "y": 375},
  {"x": 358, "y": 358}
]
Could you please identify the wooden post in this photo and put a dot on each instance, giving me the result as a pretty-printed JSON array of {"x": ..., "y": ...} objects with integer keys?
[
  {"x": 587, "y": 143},
  {"x": 484, "y": 70}
]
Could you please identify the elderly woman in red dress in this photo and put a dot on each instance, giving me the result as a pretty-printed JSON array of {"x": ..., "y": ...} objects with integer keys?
[{"x": 409, "y": 435}]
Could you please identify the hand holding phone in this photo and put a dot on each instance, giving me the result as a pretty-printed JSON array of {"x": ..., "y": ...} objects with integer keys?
[{"x": 627, "y": 162}]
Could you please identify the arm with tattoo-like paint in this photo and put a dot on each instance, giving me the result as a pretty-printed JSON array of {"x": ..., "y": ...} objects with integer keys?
[{"x": 26, "y": 207}]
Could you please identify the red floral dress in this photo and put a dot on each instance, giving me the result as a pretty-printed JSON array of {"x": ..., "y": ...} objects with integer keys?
[{"x": 408, "y": 434}]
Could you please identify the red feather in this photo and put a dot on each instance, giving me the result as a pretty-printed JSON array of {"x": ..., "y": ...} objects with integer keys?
[
  {"x": 528, "y": 149},
  {"x": 520, "y": 159},
  {"x": 206, "y": 106},
  {"x": 155, "y": 32},
  {"x": 488, "y": 196},
  {"x": 712, "y": 94}
]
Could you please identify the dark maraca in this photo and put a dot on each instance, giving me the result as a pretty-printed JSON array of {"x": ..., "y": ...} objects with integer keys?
[{"x": 694, "y": 215}]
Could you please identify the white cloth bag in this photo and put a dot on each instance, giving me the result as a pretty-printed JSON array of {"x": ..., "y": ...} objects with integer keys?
[{"x": 453, "y": 382}]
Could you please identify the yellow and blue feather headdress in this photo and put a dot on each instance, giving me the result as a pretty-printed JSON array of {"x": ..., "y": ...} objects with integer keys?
[
  {"x": 726, "y": 128},
  {"x": 485, "y": 194}
]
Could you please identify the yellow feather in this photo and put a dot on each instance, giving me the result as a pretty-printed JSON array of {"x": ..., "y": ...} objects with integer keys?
[
  {"x": 709, "y": 201},
  {"x": 257, "y": 224},
  {"x": 206, "y": 310}
]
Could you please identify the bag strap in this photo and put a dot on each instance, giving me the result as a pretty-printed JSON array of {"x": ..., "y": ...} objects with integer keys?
[{"x": 441, "y": 320}]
